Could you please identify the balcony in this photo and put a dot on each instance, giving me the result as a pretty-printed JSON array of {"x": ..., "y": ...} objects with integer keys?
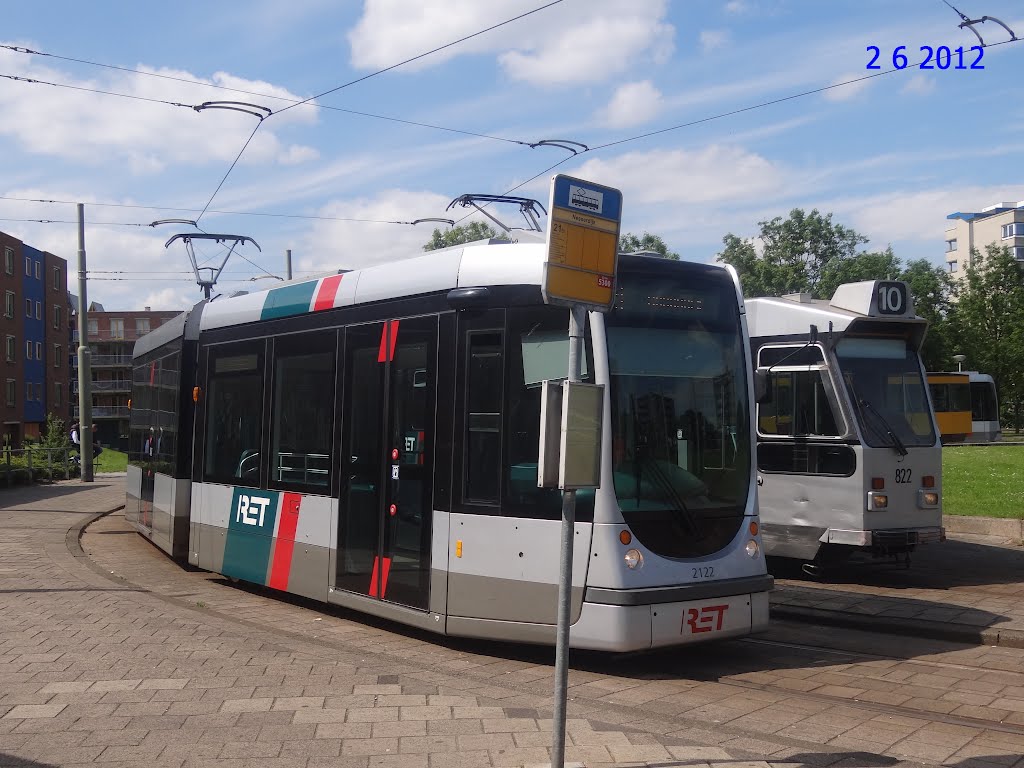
[
  {"x": 128, "y": 334},
  {"x": 105, "y": 412},
  {"x": 111, "y": 386},
  {"x": 110, "y": 361}
]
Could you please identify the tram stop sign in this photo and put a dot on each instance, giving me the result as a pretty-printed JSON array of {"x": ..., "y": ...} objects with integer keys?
[{"x": 583, "y": 243}]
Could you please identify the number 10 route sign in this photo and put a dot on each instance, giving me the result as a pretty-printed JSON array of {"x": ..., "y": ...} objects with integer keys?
[{"x": 583, "y": 243}]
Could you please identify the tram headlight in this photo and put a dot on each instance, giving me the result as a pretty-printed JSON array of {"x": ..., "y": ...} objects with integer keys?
[
  {"x": 751, "y": 548},
  {"x": 634, "y": 559},
  {"x": 877, "y": 501},
  {"x": 927, "y": 499}
]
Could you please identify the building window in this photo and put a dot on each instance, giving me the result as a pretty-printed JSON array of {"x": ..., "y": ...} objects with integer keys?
[
  {"x": 9, "y": 260},
  {"x": 117, "y": 328},
  {"x": 39, "y": 272},
  {"x": 39, "y": 350},
  {"x": 953, "y": 266},
  {"x": 39, "y": 310},
  {"x": 56, "y": 278},
  {"x": 9, "y": 304},
  {"x": 39, "y": 391},
  {"x": 28, "y": 307},
  {"x": 28, "y": 350},
  {"x": 56, "y": 355},
  {"x": 141, "y": 326},
  {"x": 28, "y": 266},
  {"x": 58, "y": 394},
  {"x": 1018, "y": 252},
  {"x": 11, "y": 349},
  {"x": 12, "y": 392},
  {"x": 1013, "y": 229},
  {"x": 950, "y": 245},
  {"x": 56, "y": 316},
  {"x": 94, "y": 328}
]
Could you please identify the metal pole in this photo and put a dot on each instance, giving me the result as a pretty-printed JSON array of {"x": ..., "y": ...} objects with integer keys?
[
  {"x": 288, "y": 263},
  {"x": 577, "y": 317},
  {"x": 84, "y": 368}
]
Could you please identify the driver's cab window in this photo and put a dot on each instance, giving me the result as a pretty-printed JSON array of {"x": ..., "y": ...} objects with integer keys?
[
  {"x": 802, "y": 401},
  {"x": 234, "y": 414}
]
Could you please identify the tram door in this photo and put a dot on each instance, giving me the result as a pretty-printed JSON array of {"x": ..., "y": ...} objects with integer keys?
[{"x": 386, "y": 506}]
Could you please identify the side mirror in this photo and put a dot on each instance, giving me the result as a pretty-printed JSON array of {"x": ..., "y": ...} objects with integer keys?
[{"x": 762, "y": 392}]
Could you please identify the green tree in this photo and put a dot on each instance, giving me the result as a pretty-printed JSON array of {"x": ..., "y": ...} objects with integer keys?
[
  {"x": 796, "y": 253},
  {"x": 465, "y": 233},
  {"x": 863, "y": 266},
  {"x": 630, "y": 243},
  {"x": 932, "y": 288},
  {"x": 55, "y": 433},
  {"x": 987, "y": 325}
]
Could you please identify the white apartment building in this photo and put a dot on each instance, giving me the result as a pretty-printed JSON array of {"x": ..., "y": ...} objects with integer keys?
[{"x": 1002, "y": 224}]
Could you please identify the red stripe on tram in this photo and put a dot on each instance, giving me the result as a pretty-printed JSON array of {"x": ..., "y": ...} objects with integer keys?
[
  {"x": 384, "y": 571},
  {"x": 284, "y": 544},
  {"x": 327, "y": 292},
  {"x": 386, "y": 353}
]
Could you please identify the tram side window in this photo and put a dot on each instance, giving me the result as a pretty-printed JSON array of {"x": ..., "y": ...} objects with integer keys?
[
  {"x": 303, "y": 416},
  {"x": 802, "y": 403},
  {"x": 484, "y": 368},
  {"x": 538, "y": 350},
  {"x": 234, "y": 414},
  {"x": 153, "y": 421}
]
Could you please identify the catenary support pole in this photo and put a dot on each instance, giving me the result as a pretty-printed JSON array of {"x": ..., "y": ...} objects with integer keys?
[
  {"x": 288, "y": 263},
  {"x": 577, "y": 317},
  {"x": 84, "y": 367}
]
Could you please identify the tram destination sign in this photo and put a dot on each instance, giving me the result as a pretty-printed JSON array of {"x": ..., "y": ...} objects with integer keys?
[{"x": 583, "y": 243}]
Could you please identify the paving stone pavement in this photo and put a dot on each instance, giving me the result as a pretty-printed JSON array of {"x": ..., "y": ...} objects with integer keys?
[
  {"x": 116, "y": 655},
  {"x": 970, "y": 588}
]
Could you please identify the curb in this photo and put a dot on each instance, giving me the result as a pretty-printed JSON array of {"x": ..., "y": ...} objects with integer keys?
[
  {"x": 923, "y": 628},
  {"x": 1006, "y": 527},
  {"x": 73, "y": 538}
]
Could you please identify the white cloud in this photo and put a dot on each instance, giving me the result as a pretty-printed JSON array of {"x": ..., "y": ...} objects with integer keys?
[
  {"x": 847, "y": 92},
  {"x": 736, "y": 6},
  {"x": 919, "y": 84},
  {"x": 143, "y": 136},
  {"x": 355, "y": 244},
  {"x": 713, "y": 38},
  {"x": 556, "y": 46},
  {"x": 711, "y": 175},
  {"x": 633, "y": 104}
]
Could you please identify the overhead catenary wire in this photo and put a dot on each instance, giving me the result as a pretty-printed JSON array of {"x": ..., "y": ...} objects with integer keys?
[
  {"x": 199, "y": 83},
  {"x": 595, "y": 148}
]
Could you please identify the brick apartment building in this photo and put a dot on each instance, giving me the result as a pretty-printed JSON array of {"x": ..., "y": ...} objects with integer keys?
[
  {"x": 111, "y": 339},
  {"x": 34, "y": 328}
]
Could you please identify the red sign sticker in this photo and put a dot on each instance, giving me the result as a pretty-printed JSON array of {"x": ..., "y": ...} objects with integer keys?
[{"x": 704, "y": 619}]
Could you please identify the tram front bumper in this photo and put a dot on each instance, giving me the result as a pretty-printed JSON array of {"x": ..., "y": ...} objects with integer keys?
[
  {"x": 607, "y": 627},
  {"x": 885, "y": 539}
]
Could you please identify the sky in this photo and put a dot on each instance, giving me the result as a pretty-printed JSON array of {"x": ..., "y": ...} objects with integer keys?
[{"x": 666, "y": 95}]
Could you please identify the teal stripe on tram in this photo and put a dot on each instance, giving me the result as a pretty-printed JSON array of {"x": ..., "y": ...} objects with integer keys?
[
  {"x": 250, "y": 534},
  {"x": 289, "y": 300}
]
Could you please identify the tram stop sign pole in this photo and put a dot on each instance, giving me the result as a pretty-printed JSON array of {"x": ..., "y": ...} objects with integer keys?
[{"x": 582, "y": 256}]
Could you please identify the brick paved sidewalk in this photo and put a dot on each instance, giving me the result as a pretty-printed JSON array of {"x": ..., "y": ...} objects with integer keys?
[
  {"x": 970, "y": 589},
  {"x": 122, "y": 657}
]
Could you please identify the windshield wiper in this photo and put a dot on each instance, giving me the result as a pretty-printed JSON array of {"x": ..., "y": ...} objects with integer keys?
[
  {"x": 897, "y": 444},
  {"x": 668, "y": 492}
]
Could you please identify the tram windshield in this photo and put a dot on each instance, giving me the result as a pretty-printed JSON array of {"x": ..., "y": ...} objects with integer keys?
[
  {"x": 887, "y": 390},
  {"x": 680, "y": 423}
]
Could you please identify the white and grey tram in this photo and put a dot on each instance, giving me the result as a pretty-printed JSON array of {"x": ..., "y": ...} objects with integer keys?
[
  {"x": 370, "y": 439},
  {"x": 848, "y": 453}
]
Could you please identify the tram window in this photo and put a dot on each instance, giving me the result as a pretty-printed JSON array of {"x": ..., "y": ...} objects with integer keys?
[
  {"x": 802, "y": 403},
  {"x": 538, "y": 350},
  {"x": 154, "y": 414},
  {"x": 303, "y": 416},
  {"x": 802, "y": 355},
  {"x": 804, "y": 458},
  {"x": 234, "y": 414},
  {"x": 483, "y": 417}
]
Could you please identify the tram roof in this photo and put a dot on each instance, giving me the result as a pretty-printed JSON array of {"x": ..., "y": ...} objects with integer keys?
[
  {"x": 481, "y": 263},
  {"x": 792, "y": 315}
]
